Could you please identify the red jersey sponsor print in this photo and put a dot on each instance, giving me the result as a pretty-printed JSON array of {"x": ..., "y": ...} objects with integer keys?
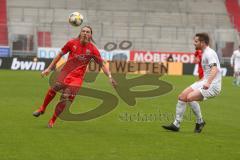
[
  {"x": 73, "y": 71},
  {"x": 198, "y": 56}
]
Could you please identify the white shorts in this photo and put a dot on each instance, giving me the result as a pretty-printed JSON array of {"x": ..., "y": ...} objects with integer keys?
[
  {"x": 236, "y": 68},
  {"x": 212, "y": 91}
]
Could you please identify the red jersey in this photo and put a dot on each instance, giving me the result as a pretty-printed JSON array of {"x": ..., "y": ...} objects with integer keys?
[
  {"x": 73, "y": 71},
  {"x": 198, "y": 56}
]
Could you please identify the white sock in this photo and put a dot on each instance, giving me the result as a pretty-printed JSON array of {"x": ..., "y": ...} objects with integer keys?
[
  {"x": 238, "y": 80},
  {"x": 197, "y": 111},
  {"x": 180, "y": 109}
]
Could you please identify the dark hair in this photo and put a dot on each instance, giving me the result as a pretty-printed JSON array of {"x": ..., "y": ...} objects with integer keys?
[
  {"x": 87, "y": 26},
  {"x": 203, "y": 37}
]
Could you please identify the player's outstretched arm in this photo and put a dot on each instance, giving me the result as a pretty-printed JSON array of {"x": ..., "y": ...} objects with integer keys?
[
  {"x": 52, "y": 65},
  {"x": 108, "y": 74}
]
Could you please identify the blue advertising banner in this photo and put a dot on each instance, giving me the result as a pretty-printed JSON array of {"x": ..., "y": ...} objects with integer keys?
[{"x": 4, "y": 51}]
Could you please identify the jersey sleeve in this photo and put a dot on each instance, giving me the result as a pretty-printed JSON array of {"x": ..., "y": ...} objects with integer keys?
[
  {"x": 96, "y": 55},
  {"x": 211, "y": 59},
  {"x": 66, "y": 48}
]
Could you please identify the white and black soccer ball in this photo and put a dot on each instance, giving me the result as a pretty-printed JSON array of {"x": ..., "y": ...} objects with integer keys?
[{"x": 75, "y": 19}]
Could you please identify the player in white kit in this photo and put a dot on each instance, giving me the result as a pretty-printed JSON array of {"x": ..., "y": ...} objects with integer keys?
[
  {"x": 209, "y": 86},
  {"x": 235, "y": 63}
]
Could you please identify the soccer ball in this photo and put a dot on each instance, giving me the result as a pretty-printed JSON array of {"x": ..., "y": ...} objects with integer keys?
[{"x": 75, "y": 19}]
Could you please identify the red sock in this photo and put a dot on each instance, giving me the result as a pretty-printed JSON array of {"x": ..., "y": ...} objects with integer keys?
[
  {"x": 60, "y": 107},
  {"x": 48, "y": 98},
  {"x": 58, "y": 110}
]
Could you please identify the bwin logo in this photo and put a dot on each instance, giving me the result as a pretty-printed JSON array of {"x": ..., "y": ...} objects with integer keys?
[{"x": 27, "y": 65}]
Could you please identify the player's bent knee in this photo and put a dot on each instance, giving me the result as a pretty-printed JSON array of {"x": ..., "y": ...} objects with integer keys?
[
  {"x": 182, "y": 97},
  {"x": 67, "y": 97},
  {"x": 189, "y": 99},
  {"x": 196, "y": 96}
]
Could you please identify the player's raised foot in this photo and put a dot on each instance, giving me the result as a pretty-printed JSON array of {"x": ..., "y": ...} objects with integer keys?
[
  {"x": 171, "y": 127},
  {"x": 50, "y": 123},
  {"x": 38, "y": 112},
  {"x": 199, "y": 127}
]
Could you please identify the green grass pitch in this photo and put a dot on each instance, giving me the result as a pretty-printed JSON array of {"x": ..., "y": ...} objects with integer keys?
[{"x": 112, "y": 137}]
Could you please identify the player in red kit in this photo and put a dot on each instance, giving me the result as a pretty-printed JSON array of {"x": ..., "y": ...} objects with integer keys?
[
  {"x": 81, "y": 50},
  {"x": 198, "y": 60}
]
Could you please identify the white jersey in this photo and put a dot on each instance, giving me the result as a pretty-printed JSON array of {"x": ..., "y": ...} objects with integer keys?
[
  {"x": 210, "y": 57},
  {"x": 235, "y": 60}
]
